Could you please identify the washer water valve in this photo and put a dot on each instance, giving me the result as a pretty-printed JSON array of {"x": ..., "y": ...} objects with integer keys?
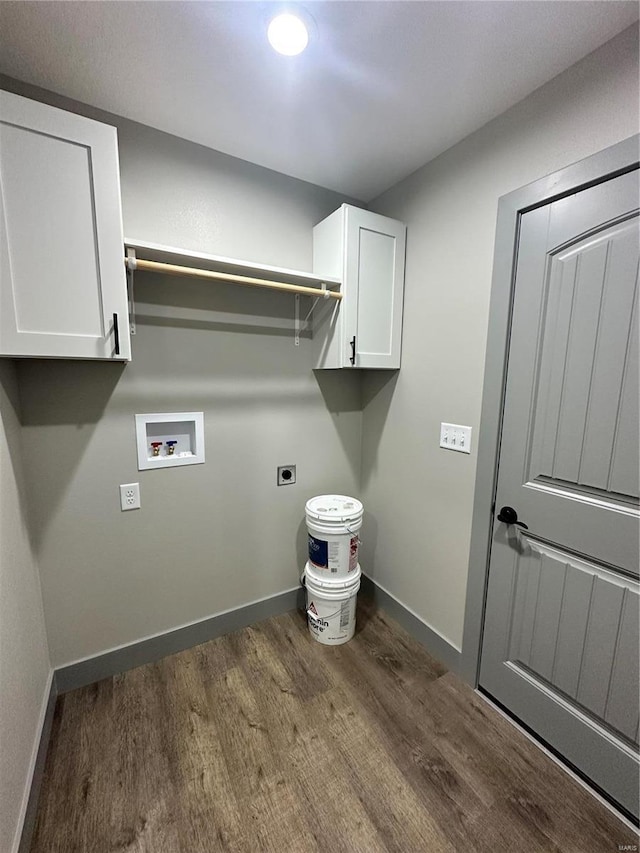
[
  {"x": 156, "y": 445},
  {"x": 171, "y": 445}
]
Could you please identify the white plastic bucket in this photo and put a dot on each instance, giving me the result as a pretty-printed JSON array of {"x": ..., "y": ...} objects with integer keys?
[
  {"x": 333, "y": 522},
  {"x": 331, "y": 606}
]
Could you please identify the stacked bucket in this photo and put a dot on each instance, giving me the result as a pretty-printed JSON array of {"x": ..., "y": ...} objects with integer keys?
[{"x": 332, "y": 573}]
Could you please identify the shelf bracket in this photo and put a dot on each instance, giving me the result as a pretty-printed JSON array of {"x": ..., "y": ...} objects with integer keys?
[
  {"x": 296, "y": 338},
  {"x": 298, "y": 324},
  {"x": 131, "y": 266}
]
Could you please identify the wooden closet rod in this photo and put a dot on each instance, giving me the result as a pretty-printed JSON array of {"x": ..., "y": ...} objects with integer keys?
[{"x": 193, "y": 272}]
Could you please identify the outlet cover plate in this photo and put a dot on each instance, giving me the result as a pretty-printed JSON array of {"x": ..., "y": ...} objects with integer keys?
[
  {"x": 455, "y": 437},
  {"x": 129, "y": 496},
  {"x": 286, "y": 475}
]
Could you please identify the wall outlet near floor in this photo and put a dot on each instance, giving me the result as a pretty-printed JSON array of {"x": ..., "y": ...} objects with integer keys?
[
  {"x": 130, "y": 496},
  {"x": 455, "y": 437},
  {"x": 286, "y": 475}
]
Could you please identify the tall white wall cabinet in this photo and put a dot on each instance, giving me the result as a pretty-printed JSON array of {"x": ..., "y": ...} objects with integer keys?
[
  {"x": 366, "y": 252},
  {"x": 62, "y": 278}
]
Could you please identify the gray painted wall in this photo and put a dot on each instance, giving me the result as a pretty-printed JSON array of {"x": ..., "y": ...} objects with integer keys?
[
  {"x": 419, "y": 497},
  {"x": 208, "y": 537},
  {"x": 216, "y": 536},
  {"x": 24, "y": 656}
]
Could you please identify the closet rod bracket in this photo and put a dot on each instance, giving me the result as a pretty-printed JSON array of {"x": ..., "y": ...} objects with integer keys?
[
  {"x": 298, "y": 324},
  {"x": 296, "y": 338},
  {"x": 131, "y": 264}
]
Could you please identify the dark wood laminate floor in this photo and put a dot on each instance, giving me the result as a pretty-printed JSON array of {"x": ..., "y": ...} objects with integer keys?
[{"x": 265, "y": 740}]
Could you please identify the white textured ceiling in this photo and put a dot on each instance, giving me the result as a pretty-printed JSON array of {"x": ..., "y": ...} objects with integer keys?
[{"x": 383, "y": 87}]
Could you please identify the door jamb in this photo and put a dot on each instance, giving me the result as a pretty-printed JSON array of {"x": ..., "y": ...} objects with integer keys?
[{"x": 612, "y": 162}]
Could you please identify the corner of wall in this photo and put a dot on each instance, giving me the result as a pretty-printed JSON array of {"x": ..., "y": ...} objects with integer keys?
[{"x": 25, "y": 667}]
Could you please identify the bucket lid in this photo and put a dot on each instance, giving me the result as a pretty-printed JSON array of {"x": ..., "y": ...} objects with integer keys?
[
  {"x": 324, "y": 581},
  {"x": 333, "y": 508}
]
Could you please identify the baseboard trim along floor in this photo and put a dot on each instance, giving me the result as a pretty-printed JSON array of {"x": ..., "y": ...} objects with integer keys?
[
  {"x": 433, "y": 642},
  {"x": 160, "y": 646},
  {"x": 155, "y": 648},
  {"x": 28, "y": 825}
]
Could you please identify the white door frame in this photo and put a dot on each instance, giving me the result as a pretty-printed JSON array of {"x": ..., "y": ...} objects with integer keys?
[{"x": 614, "y": 161}]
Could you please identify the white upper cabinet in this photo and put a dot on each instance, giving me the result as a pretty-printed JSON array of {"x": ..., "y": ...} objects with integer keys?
[
  {"x": 366, "y": 251},
  {"x": 62, "y": 278}
]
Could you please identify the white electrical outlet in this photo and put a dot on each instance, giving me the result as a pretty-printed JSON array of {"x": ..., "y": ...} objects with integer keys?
[
  {"x": 455, "y": 437},
  {"x": 129, "y": 496}
]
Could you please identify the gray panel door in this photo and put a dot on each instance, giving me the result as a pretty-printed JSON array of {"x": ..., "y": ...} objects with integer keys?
[{"x": 560, "y": 647}]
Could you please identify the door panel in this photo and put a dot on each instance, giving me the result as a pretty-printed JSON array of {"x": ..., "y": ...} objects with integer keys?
[
  {"x": 375, "y": 271},
  {"x": 561, "y": 624},
  {"x": 61, "y": 244},
  {"x": 376, "y": 259},
  {"x": 626, "y": 462},
  {"x": 588, "y": 320},
  {"x": 63, "y": 288},
  {"x": 571, "y": 622}
]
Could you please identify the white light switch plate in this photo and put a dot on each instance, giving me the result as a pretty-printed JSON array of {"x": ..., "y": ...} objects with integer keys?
[{"x": 455, "y": 437}]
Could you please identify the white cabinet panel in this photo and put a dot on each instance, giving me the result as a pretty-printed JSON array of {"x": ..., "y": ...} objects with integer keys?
[
  {"x": 376, "y": 259},
  {"x": 367, "y": 252},
  {"x": 62, "y": 279}
]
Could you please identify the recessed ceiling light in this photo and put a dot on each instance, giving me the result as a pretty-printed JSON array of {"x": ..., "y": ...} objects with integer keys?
[{"x": 287, "y": 34}]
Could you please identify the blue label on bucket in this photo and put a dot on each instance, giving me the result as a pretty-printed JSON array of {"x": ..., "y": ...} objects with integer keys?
[{"x": 318, "y": 552}]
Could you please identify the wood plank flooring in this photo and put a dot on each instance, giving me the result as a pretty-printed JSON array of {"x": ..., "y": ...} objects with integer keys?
[{"x": 264, "y": 740}]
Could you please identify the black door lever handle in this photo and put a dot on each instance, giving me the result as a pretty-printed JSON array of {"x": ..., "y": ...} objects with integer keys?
[{"x": 508, "y": 515}]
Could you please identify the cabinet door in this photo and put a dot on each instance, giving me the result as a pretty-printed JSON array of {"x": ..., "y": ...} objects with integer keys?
[
  {"x": 62, "y": 279},
  {"x": 374, "y": 277}
]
